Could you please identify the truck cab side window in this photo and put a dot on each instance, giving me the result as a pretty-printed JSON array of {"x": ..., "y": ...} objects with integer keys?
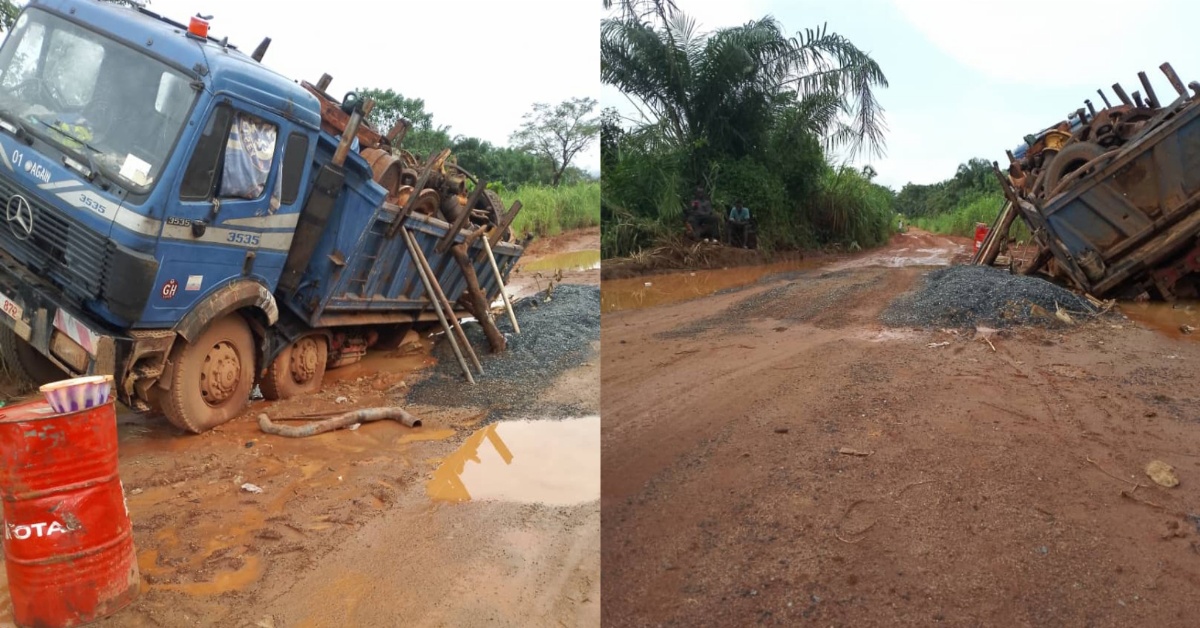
[
  {"x": 200, "y": 178},
  {"x": 295, "y": 155},
  {"x": 249, "y": 154}
]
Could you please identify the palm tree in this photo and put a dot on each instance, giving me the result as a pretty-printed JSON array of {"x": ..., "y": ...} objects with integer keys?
[
  {"x": 643, "y": 8},
  {"x": 722, "y": 91}
]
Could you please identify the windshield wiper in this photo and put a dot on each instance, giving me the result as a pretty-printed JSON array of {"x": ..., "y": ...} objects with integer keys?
[
  {"x": 94, "y": 168},
  {"x": 14, "y": 125}
]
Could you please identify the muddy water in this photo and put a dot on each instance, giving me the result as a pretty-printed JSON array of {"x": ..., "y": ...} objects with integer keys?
[
  {"x": 572, "y": 260},
  {"x": 654, "y": 290},
  {"x": 548, "y": 462},
  {"x": 1177, "y": 320},
  {"x": 903, "y": 257}
]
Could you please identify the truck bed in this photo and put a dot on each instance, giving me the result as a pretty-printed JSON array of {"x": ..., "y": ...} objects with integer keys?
[{"x": 1115, "y": 229}]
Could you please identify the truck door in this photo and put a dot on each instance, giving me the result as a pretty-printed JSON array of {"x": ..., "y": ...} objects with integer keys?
[{"x": 237, "y": 200}]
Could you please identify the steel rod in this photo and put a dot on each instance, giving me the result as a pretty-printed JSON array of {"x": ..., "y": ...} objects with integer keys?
[
  {"x": 437, "y": 306},
  {"x": 446, "y": 305},
  {"x": 512, "y": 316}
]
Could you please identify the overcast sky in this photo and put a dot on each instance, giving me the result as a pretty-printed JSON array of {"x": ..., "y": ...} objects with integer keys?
[
  {"x": 479, "y": 64},
  {"x": 970, "y": 79}
]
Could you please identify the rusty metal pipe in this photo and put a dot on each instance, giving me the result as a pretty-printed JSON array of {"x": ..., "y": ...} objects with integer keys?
[
  {"x": 436, "y": 288},
  {"x": 1173, "y": 79},
  {"x": 1091, "y": 109},
  {"x": 512, "y": 316},
  {"x": 1137, "y": 98},
  {"x": 1120, "y": 91},
  {"x": 365, "y": 415},
  {"x": 1151, "y": 97},
  {"x": 1107, "y": 105},
  {"x": 436, "y": 299},
  {"x": 343, "y": 149}
]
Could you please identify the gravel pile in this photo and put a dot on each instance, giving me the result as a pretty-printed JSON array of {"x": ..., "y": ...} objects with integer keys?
[
  {"x": 555, "y": 337},
  {"x": 966, "y": 296}
]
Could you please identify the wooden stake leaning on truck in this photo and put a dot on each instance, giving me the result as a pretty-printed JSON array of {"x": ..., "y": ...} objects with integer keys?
[{"x": 436, "y": 302}]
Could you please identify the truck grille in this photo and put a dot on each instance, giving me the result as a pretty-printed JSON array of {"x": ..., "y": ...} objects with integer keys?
[{"x": 61, "y": 249}]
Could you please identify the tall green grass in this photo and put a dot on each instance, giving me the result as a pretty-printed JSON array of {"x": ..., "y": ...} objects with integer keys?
[
  {"x": 549, "y": 211},
  {"x": 962, "y": 220}
]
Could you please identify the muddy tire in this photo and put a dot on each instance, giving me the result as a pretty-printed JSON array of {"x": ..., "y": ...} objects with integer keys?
[
  {"x": 23, "y": 364},
  {"x": 212, "y": 376},
  {"x": 299, "y": 369},
  {"x": 1068, "y": 160}
]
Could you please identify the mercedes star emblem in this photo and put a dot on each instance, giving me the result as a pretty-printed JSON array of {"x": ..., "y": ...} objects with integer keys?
[{"x": 20, "y": 217}]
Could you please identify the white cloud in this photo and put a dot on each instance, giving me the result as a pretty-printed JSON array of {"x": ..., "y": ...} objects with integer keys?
[
  {"x": 479, "y": 64},
  {"x": 1053, "y": 42}
]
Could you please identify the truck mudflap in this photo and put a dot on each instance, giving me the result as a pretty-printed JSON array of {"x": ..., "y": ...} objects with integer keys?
[{"x": 38, "y": 314}]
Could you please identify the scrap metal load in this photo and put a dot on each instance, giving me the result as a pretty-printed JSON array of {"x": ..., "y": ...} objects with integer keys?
[
  {"x": 434, "y": 187},
  {"x": 1112, "y": 195}
]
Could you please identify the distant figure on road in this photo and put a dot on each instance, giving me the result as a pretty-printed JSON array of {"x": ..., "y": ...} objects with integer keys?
[
  {"x": 739, "y": 219},
  {"x": 701, "y": 220}
]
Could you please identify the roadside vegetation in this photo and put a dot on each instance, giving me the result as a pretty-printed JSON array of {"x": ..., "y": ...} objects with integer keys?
[
  {"x": 956, "y": 205},
  {"x": 748, "y": 112}
]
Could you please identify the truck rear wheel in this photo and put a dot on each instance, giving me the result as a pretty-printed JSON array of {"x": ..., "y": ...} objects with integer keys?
[
  {"x": 299, "y": 369},
  {"x": 28, "y": 368},
  {"x": 212, "y": 376}
]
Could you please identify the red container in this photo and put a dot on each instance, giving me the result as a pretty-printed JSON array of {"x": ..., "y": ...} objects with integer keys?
[
  {"x": 68, "y": 544},
  {"x": 981, "y": 231}
]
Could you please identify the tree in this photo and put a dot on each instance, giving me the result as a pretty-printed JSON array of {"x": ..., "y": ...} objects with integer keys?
[
  {"x": 559, "y": 133},
  {"x": 718, "y": 93},
  {"x": 9, "y": 11},
  {"x": 424, "y": 137}
]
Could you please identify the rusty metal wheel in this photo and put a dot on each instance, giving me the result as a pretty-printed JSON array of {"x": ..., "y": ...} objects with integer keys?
[
  {"x": 211, "y": 378},
  {"x": 299, "y": 369}
]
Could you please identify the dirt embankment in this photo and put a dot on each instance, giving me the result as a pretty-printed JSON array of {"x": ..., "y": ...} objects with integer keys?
[
  {"x": 449, "y": 524},
  {"x": 776, "y": 455}
]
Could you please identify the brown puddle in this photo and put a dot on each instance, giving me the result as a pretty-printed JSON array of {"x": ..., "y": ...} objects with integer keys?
[
  {"x": 902, "y": 258},
  {"x": 573, "y": 260},
  {"x": 653, "y": 290},
  {"x": 1171, "y": 319},
  {"x": 546, "y": 462}
]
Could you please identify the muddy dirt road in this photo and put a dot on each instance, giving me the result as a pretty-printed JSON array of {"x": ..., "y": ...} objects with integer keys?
[
  {"x": 795, "y": 462},
  {"x": 461, "y": 522}
]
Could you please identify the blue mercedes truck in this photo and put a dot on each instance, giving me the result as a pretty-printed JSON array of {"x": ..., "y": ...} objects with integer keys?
[{"x": 181, "y": 217}]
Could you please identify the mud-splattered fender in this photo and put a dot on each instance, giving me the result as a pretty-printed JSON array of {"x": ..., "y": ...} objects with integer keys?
[{"x": 229, "y": 298}]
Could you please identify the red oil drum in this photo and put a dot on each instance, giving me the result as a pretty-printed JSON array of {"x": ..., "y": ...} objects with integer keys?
[
  {"x": 981, "y": 231},
  {"x": 68, "y": 543}
]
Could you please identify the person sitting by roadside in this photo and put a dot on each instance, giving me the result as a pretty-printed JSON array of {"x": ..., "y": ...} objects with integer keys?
[
  {"x": 739, "y": 220},
  {"x": 701, "y": 220}
]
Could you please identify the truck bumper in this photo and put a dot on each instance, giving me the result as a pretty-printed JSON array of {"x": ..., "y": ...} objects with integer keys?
[{"x": 39, "y": 314}]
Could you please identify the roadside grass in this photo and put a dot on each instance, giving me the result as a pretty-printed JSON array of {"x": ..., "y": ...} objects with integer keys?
[
  {"x": 961, "y": 221},
  {"x": 549, "y": 211}
]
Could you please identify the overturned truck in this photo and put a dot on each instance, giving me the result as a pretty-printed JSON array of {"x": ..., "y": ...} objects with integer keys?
[{"x": 1112, "y": 195}]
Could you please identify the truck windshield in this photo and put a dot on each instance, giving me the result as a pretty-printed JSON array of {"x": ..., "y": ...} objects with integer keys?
[{"x": 117, "y": 108}]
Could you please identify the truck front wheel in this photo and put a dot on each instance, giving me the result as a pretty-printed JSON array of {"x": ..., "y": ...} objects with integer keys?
[
  {"x": 212, "y": 376},
  {"x": 299, "y": 369},
  {"x": 28, "y": 368}
]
